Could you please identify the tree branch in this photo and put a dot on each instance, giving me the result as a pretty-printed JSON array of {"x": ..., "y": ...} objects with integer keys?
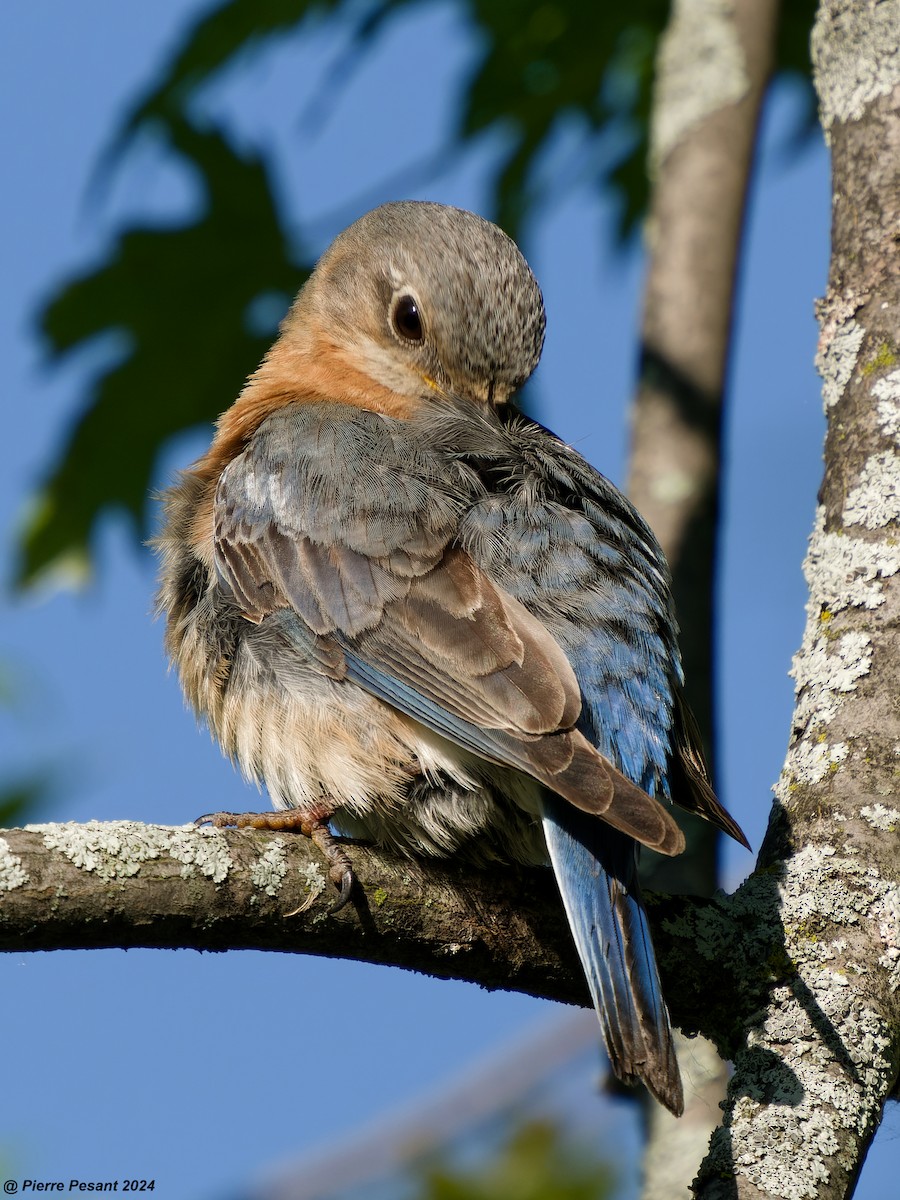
[
  {"x": 97, "y": 885},
  {"x": 126, "y": 884}
]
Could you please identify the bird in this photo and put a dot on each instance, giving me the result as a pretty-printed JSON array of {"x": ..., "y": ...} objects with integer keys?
[{"x": 420, "y": 618}]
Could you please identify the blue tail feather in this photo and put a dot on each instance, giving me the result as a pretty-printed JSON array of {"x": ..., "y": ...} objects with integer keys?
[{"x": 596, "y": 870}]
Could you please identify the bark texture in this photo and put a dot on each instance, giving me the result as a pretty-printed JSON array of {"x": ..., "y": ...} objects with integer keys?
[{"x": 821, "y": 1056}]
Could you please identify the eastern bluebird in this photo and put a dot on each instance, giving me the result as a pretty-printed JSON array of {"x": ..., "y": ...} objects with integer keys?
[{"x": 412, "y": 611}]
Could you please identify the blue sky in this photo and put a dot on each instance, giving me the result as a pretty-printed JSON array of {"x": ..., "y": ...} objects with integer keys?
[{"x": 202, "y": 1070}]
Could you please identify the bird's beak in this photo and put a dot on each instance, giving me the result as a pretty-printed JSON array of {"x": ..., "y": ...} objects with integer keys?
[
  {"x": 490, "y": 397},
  {"x": 433, "y": 384}
]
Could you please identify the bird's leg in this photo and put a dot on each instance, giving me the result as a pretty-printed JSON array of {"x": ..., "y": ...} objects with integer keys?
[
  {"x": 311, "y": 825},
  {"x": 340, "y": 868}
]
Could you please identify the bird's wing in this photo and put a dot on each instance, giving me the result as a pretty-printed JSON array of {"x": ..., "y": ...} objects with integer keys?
[
  {"x": 334, "y": 516},
  {"x": 611, "y": 612},
  {"x": 691, "y": 786}
]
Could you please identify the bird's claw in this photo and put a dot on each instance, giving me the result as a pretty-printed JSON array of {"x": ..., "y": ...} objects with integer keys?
[
  {"x": 340, "y": 867},
  {"x": 346, "y": 884}
]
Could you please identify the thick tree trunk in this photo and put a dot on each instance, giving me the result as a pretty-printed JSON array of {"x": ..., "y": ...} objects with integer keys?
[{"x": 821, "y": 1056}]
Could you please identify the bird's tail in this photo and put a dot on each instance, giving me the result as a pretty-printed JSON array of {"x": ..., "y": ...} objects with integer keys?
[{"x": 596, "y": 870}]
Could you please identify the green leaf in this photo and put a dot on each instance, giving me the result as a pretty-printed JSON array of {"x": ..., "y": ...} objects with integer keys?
[{"x": 181, "y": 298}]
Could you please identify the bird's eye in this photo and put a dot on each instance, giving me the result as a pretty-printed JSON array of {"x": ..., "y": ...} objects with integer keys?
[{"x": 406, "y": 319}]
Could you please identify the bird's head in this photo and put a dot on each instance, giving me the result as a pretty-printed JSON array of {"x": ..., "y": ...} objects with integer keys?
[{"x": 423, "y": 298}]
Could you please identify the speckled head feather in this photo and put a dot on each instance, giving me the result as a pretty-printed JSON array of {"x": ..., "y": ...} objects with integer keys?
[{"x": 480, "y": 307}]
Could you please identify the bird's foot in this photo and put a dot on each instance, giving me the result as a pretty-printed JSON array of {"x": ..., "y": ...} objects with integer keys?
[{"x": 340, "y": 868}]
